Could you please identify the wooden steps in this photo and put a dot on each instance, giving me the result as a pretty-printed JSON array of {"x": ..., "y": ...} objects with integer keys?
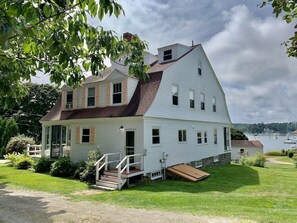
[{"x": 187, "y": 172}]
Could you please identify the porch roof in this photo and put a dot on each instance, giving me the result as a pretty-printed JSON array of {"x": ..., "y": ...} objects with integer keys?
[{"x": 140, "y": 102}]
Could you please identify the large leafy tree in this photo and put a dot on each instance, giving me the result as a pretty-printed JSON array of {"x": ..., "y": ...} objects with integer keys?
[
  {"x": 288, "y": 10},
  {"x": 54, "y": 37},
  {"x": 8, "y": 129},
  {"x": 32, "y": 108},
  {"x": 237, "y": 135}
]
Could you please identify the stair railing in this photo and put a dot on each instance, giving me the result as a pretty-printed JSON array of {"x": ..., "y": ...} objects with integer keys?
[{"x": 107, "y": 160}]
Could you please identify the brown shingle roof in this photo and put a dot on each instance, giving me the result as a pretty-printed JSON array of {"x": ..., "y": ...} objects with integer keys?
[
  {"x": 246, "y": 143},
  {"x": 140, "y": 102}
]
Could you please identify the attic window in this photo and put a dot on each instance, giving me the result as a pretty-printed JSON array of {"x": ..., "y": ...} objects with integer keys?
[
  {"x": 167, "y": 55},
  {"x": 117, "y": 93}
]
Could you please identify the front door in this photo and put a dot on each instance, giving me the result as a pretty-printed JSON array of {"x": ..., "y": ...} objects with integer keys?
[{"x": 130, "y": 144}]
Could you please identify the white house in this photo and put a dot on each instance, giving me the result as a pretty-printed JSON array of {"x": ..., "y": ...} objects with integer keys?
[
  {"x": 179, "y": 115},
  {"x": 245, "y": 148}
]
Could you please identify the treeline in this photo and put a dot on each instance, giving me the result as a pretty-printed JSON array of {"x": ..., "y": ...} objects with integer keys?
[{"x": 282, "y": 128}]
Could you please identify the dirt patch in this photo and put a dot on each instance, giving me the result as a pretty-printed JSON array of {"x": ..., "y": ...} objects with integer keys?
[
  {"x": 274, "y": 160},
  {"x": 32, "y": 207},
  {"x": 88, "y": 192}
]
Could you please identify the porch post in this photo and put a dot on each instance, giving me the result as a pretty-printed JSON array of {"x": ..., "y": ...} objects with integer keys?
[{"x": 43, "y": 140}]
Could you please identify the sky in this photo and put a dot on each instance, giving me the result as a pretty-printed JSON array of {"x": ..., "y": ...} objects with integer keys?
[{"x": 241, "y": 40}]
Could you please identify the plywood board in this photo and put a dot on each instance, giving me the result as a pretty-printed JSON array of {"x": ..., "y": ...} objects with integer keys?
[{"x": 187, "y": 172}]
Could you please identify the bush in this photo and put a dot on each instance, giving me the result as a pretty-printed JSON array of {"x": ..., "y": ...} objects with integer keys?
[
  {"x": 43, "y": 165},
  {"x": 276, "y": 153},
  {"x": 18, "y": 144},
  {"x": 257, "y": 160},
  {"x": 79, "y": 167},
  {"x": 8, "y": 129},
  {"x": 88, "y": 175},
  {"x": 63, "y": 167},
  {"x": 291, "y": 154},
  {"x": 24, "y": 162},
  {"x": 19, "y": 161}
]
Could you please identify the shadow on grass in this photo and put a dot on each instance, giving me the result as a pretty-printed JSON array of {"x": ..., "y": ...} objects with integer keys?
[
  {"x": 20, "y": 208},
  {"x": 222, "y": 179}
]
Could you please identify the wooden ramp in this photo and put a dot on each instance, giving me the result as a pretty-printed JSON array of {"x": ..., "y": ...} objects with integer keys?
[{"x": 187, "y": 172}]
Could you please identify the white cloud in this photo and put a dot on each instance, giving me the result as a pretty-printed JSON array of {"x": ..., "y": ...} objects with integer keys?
[{"x": 257, "y": 76}]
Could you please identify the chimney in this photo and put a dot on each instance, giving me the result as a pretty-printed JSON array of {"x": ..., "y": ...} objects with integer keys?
[{"x": 128, "y": 36}]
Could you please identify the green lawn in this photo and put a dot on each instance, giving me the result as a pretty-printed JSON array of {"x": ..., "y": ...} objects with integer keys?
[
  {"x": 284, "y": 159},
  {"x": 262, "y": 194}
]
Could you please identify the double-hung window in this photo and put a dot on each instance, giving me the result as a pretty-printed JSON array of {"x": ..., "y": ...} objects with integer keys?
[
  {"x": 174, "y": 94},
  {"x": 214, "y": 104},
  {"x": 155, "y": 136},
  {"x": 117, "y": 93},
  {"x": 182, "y": 135},
  {"x": 199, "y": 69},
  {"x": 167, "y": 55},
  {"x": 202, "y": 101},
  {"x": 91, "y": 97},
  {"x": 85, "y": 137},
  {"x": 205, "y": 137},
  {"x": 199, "y": 138},
  {"x": 191, "y": 98},
  {"x": 69, "y": 99},
  {"x": 215, "y": 137}
]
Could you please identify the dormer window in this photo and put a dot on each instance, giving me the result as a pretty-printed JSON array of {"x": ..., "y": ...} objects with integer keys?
[
  {"x": 69, "y": 100},
  {"x": 91, "y": 96},
  {"x": 117, "y": 93},
  {"x": 167, "y": 55}
]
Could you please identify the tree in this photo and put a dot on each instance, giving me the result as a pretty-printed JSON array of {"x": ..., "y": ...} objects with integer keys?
[
  {"x": 8, "y": 129},
  {"x": 287, "y": 8},
  {"x": 54, "y": 37},
  {"x": 237, "y": 135},
  {"x": 32, "y": 108}
]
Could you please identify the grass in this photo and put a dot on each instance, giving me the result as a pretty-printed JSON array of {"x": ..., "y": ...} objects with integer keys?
[
  {"x": 284, "y": 159},
  {"x": 261, "y": 194}
]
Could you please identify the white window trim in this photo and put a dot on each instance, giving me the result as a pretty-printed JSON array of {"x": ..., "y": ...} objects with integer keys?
[
  {"x": 111, "y": 93},
  {"x": 157, "y": 144},
  {"x": 214, "y": 137},
  {"x": 81, "y": 135},
  {"x": 191, "y": 90},
  {"x": 205, "y": 143},
  {"x": 202, "y": 139},
  {"x": 214, "y": 103},
  {"x": 202, "y": 96},
  {"x": 182, "y": 142},
  {"x": 87, "y": 97},
  {"x": 178, "y": 102}
]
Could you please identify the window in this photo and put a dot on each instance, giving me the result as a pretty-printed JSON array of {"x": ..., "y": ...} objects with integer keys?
[
  {"x": 156, "y": 136},
  {"x": 216, "y": 159},
  {"x": 91, "y": 96},
  {"x": 199, "y": 137},
  {"x": 191, "y": 97},
  {"x": 117, "y": 93},
  {"x": 226, "y": 138},
  {"x": 202, "y": 101},
  {"x": 174, "y": 95},
  {"x": 214, "y": 104},
  {"x": 199, "y": 69},
  {"x": 205, "y": 137},
  {"x": 215, "y": 137},
  {"x": 69, "y": 99},
  {"x": 241, "y": 151},
  {"x": 85, "y": 137},
  {"x": 167, "y": 55},
  {"x": 182, "y": 135}
]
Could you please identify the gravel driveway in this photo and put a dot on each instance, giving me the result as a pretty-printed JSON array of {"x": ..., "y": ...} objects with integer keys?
[{"x": 37, "y": 207}]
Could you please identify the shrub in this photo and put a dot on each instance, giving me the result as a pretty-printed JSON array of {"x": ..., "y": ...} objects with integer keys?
[
  {"x": 291, "y": 154},
  {"x": 79, "y": 167},
  {"x": 18, "y": 144},
  {"x": 8, "y": 129},
  {"x": 24, "y": 162},
  {"x": 88, "y": 175},
  {"x": 19, "y": 161},
  {"x": 257, "y": 160},
  {"x": 43, "y": 165},
  {"x": 276, "y": 153},
  {"x": 63, "y": 167}
]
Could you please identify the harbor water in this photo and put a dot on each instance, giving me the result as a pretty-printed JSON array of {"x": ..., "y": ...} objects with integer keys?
[{"x": 273, "y": 142}]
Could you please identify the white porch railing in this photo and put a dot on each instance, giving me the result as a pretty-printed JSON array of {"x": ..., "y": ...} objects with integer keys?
[
  {"x": 125, "y": 165},
  {"x": 34, "y": 150},
  {"x": 108, "y": 158}
]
